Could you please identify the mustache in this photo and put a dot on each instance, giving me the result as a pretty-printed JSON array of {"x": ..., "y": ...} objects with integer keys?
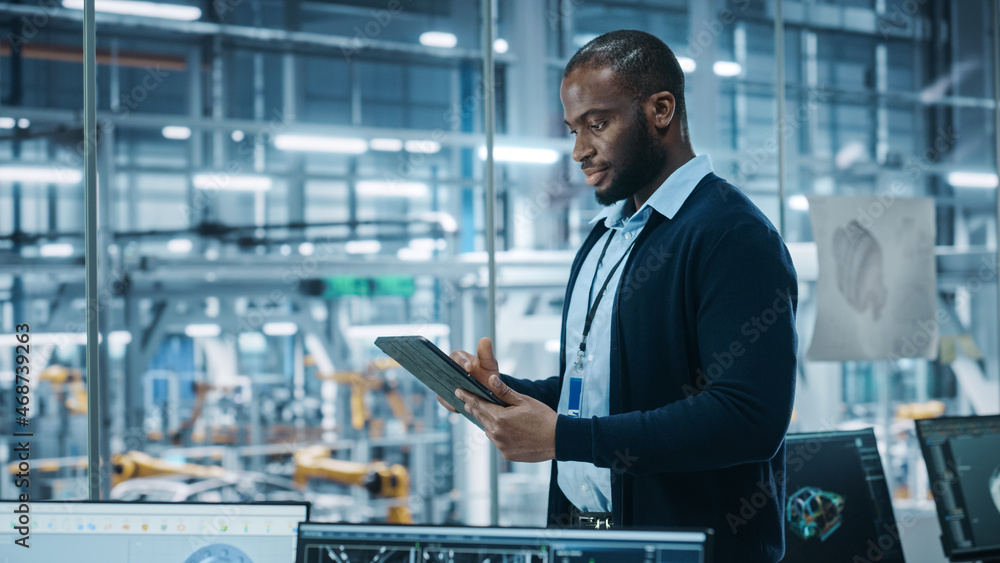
[{"x": 588, "y": 164}]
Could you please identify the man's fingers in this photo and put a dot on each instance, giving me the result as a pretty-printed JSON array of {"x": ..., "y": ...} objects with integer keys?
[
  {"x": 502, "y": 390},
  {"x": 462, "y": 358},
  {"x": 486, "y": 358}
]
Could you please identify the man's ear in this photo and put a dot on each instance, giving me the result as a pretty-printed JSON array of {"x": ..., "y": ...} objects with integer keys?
[{"x": 664, "y": 105}]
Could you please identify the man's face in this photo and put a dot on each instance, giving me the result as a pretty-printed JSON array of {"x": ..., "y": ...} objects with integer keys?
[{"x": 618, "y": 152}]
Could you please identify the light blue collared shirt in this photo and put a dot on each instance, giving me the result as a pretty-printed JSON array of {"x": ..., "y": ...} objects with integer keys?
[{"x": 587, "y": 486}]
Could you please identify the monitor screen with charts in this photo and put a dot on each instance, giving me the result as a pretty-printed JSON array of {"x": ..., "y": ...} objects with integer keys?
[
  {"x": 962, "y": 455},
  {"x": 145, "y": 532},
  {"x": 355, "y": 543},
  {"x": 837, "y": 503}
]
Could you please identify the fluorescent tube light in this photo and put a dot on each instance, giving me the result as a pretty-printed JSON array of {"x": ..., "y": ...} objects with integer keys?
[
  {"x": 424, "y": 146},
  {"x": 202, "y": 330},
  {"x": 428, "y": 244},
  {"x": 145, "y": 9},
  {"x": 521, "y": 154},
  {"x": 307, "y": 249},
  {"x": 387, "y": 145},
  {"x": 176, "y": 132},
  {"x": 392, "y": 189},
  {"x": 180, "y": 245},
  {"x": 447, "y": 222},
  {"x": 119, "y": 337},
  {"x": 280, "y": 328},
  {"x": 413, "y": 254},
  {"x": 56, "y": 250},
  {"x": 7, "y": 123},
  {"x": 727, "y": 68},
  {"x": 972, "y": 179},
  {"x": 315, "y": 143},
  {"x": 799, "y": 202},
  {"x": 363, "y": 247},
  {"x": 687, "y": 64},
  {"x": 40, "y": 175},
  {"x": 221, "y": 181},
  {"x": 438, "y": 39}
]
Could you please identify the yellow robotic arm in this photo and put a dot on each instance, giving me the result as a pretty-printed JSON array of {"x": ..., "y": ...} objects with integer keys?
[{"x": 381, "y": 480}]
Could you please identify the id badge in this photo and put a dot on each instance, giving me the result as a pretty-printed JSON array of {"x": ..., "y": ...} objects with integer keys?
[{"x": 575, "y": 392}]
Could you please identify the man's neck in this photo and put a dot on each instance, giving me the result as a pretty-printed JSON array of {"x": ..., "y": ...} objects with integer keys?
[{"x": 675, "y": 161}]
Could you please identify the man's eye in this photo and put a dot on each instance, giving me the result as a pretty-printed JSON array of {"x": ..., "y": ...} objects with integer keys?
[
  {"x": 572, "y": 132},
  {"x": 598, "y": 126}
]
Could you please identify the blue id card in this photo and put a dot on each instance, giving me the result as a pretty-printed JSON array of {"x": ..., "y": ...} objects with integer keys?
[{"x": 575, "y": 392}]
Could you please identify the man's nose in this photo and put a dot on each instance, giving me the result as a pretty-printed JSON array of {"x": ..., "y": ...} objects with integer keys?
[{"x": 582, "y": 149}]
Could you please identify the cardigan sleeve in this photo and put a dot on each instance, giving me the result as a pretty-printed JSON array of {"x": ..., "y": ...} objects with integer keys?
[{"x": 738, "y": 408}]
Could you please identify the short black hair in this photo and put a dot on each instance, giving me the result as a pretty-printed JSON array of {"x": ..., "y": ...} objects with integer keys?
[{"x": 642, "y": 65}]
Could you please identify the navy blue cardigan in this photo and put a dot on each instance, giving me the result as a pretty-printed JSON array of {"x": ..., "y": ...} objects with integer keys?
[{"x": 703, "y": 355}]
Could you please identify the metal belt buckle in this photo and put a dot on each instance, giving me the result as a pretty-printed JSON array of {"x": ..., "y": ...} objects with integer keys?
[{"x": 595, "y": 522}]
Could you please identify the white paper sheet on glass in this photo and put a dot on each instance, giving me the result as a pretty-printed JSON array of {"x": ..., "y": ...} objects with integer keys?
[{"x": 876, "y": 293}]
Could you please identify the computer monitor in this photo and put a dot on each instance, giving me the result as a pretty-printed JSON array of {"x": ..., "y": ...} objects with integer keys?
[
  {"x": 151, "y": 532},
  {"x": 962, "y": 455},
  {"x": 353, "y": 543},
  {"x": 837, "y": 503}
]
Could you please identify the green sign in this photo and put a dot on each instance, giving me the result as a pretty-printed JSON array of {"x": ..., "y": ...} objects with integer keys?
[{"x": 338, "y": 286}]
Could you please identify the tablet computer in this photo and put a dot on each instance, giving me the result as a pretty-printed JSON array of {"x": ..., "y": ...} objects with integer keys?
[{"x": 435, "y": 369}]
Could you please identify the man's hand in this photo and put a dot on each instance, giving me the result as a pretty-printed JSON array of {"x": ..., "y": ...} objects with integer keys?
[
  {"x": 481, "y": 366},
  {"x": 523, "y": 431}
]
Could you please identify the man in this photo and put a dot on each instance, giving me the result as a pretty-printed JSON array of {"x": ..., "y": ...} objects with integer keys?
[{"x": 678, "y": 344}]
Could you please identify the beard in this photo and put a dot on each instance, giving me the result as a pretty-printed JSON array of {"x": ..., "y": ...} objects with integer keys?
[{"x": 643, "y": 159}]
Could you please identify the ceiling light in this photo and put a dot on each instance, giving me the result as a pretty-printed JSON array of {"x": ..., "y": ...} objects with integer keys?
[
  {"x": 222, "y": 181},
  {"x": 237, "y": 136},
  {"x": 145, "y": 9},
  {"x": 424, "y": 146},
  {"x": 285, "y": 250},
  {"x": 47, "y": 338},
  {"x": 428, "y": 244},
  {"x": 24, "y": 123},
  {"x": 687, "y": 64},
  {"x": 40, "y": 175},
  {"x": 727, "y": 68},
  {"x": 388, "y": 145},
  {"x": 56, "y": 250},
  {"x": 7, "y": 123},
  {"x": 552, "y": 345},
  {"x": 307, "y": 248},
  {"x": 500, "y": 46},
  {"x": 370, "y": 332},
  {"x": 438, "y": 39},
  {"x": 521, "y": 154},
  {"x": 176, "y": 132},
  {"x": 799, "y": 202},
  {"x": 447, "y": 222},
  {"x": 392, "y": 189},
  {"x": 202, "y": 330},
  {"x": 119, "y": 337},
  {"x": 313, "y": 143},
  {"x": 180, "y": 245},
  {"x": 363, "y": 247},
  {"x": 972, "y": 179},
  {"x": 413, "y": 254},
  {"x": 280, "y": 329}
]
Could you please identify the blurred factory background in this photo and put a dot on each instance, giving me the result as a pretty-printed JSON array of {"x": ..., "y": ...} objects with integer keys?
[{"x": 283, "y": 181}]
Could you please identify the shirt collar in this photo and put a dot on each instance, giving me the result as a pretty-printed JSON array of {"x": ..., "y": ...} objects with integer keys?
[{"x": 668, "y": 198}]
